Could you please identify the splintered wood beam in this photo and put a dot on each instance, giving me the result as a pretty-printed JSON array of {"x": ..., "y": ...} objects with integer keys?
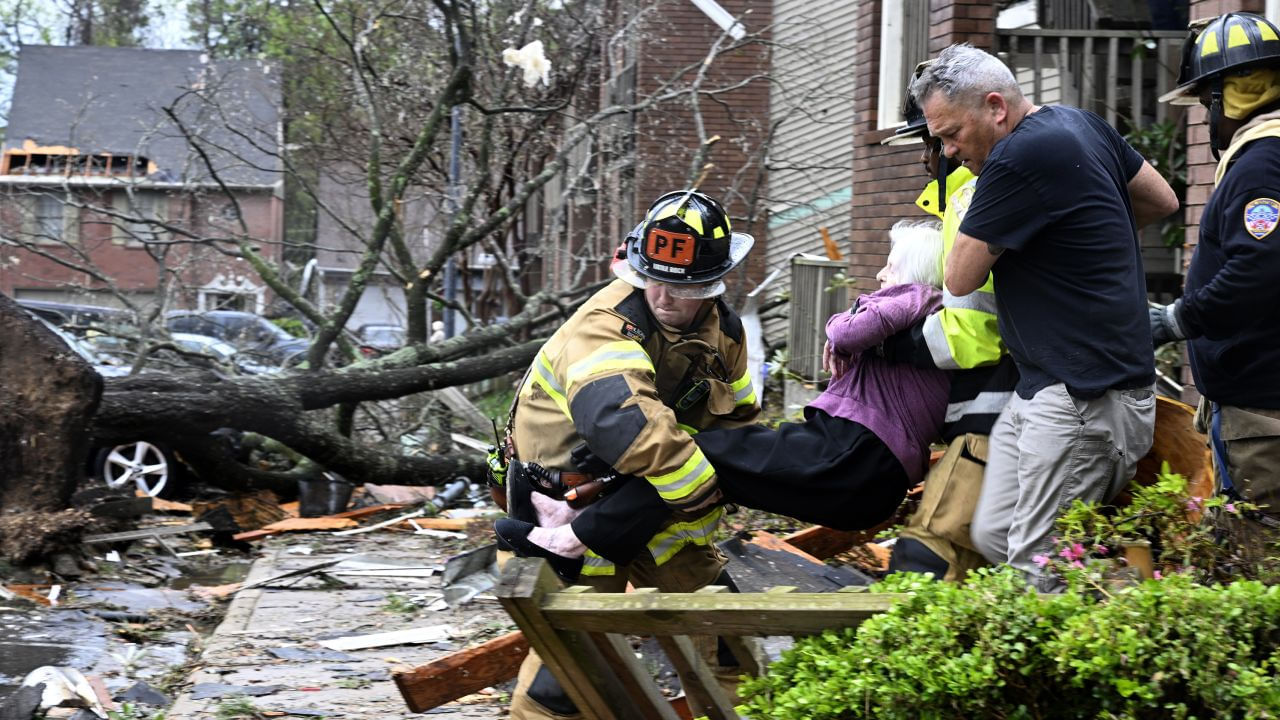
[
  {"x": 462, "y": 673},
  {"x": 724, "y": 614},
  {"x": 770, "y": 541},
  {"x": 823, "y": 542}
]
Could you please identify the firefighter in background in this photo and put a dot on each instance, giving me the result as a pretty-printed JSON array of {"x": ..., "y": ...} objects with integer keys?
[
  {"x": 1230, "y": 310},
  {"x": 963, "y": 337},
  {"x": 653, "y": 356}
]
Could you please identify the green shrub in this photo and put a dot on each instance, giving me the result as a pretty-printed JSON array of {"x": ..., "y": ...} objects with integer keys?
[
  {"x": 1189, "y": 644},
  {"x": 994, "y": 648}
]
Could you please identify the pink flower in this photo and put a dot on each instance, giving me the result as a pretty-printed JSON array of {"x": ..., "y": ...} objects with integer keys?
[
  {"x": 1075, "y": 551},
  {"x": 1102, "y": 549},
  {"x": 1229, "y": 507},
  {"x": 1195, "y": 503},
  {"x": 1077, "y": 564},
  {"x": 1157, "y": 575},
  {"x": 1041, "y": 560}
]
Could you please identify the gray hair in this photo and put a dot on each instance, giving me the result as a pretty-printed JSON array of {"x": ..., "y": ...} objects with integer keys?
[
  {"x": 916, "y": 251},
  {"x": 965, "y": 74}
]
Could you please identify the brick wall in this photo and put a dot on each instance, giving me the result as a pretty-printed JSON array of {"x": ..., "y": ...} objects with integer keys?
[
  {"x": 128, "y": 265},
  {"x": 886, "y": 179},
  {"x": 676, "y": 35}
]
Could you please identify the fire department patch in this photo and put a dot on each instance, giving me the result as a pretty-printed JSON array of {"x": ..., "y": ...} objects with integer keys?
[
  {"x": 1261, "y": 217},
  {"x": 633, "y": 331}
]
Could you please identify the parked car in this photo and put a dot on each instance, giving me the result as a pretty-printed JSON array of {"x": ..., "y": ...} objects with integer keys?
[
  {"x": 253, "y": 335},
  {"x": 376, "y": 339},
  {"x": 77, "y": 317},
  {"x": 142, "y": 464}
]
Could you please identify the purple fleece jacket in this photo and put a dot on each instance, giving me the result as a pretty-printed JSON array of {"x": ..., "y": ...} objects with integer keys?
[{"x": 903, "y": 405}]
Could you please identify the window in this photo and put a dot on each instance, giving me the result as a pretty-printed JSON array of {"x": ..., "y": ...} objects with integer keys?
[
  {"x": 226, "y": 301},
  {"x": 136, "y": 209},
  {"x": 48, "y": 218},
  {"x": 904, "y": 43}
]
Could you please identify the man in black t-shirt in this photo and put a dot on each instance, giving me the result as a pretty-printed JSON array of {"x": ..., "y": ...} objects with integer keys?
[{"x": 1053, "y": 218}]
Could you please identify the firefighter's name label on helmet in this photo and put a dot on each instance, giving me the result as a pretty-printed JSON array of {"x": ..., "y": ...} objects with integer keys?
[
  {"x": 1261, "y": 217},
  {"x": 669, "y": 269},
  {"x": 670, "y": 247}
]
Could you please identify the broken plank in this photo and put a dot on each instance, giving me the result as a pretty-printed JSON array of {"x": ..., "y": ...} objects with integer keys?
[
  {"x": 316, "y": 523},
  {"x": 295, "y": 525},
  {"x": 439, "y": 523},
  {"x": 823, "y": 542},
  {"x": 772, "y": 542},
  {"x": 462, "y": 673},
  {"x": 148, "y": 532},
  {"x": 162, "y": 505},
  {"x": 366, "y": 511},
  {"x": 412, "y": 636}
]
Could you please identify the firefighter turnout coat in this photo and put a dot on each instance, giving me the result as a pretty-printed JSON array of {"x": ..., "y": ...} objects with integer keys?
[{"x": 634, "y": 391}]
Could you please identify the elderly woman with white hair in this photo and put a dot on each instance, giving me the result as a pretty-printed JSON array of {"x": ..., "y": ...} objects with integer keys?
[{"x": 863, "y": 443}]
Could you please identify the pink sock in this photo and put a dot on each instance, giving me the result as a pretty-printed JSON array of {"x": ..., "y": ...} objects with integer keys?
[{"x": 559, "y": 540}]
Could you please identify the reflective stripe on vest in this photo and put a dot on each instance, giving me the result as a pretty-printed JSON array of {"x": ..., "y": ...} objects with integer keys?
[
  {"x": 743, "y": 391},
  {"x": 675, "y": 536},
  {"x": 594, "y": 565},
  {"x": 686, "y": 480},
  {"x": 985, "y": 403},
  {"x": 542, "y": 374},
  {"x": 620, "y": 355}
]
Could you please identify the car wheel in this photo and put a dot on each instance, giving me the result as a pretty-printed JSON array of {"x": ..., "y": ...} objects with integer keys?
[{"x": 142, "y": 465}]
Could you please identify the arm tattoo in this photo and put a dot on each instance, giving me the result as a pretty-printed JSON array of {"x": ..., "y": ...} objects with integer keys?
[{"x": 994, "y": 249}]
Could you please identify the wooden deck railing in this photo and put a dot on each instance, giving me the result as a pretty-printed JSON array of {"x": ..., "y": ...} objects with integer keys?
[
  {"x": 581, "y": 635},
  {"x": 1115, "y": 73}
]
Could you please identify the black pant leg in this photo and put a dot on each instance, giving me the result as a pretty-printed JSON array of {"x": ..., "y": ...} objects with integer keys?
[
  {"x": 826, "y": 470},
  {"x": 619, "y": 525}
]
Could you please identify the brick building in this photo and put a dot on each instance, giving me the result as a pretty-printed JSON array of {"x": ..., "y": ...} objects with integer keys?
[
  {"x": 105, "y": 195},
  {"x": 1059, "y": 50}
]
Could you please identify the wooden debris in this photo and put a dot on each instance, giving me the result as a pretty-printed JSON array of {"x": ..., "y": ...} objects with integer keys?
[
  {"x": 439, "y": 523},
  {"x": 35, "y": 593},
  {"x": 462, "y": 673},
  {"x": 249, "y": 510},
  {"x": 349, "y": 515},
  {"x": 162, "y": 505},
  {"x": 295, "y": 525},
  {"x": 771, "y": 542},
  {"x": 385, "y": 523}
]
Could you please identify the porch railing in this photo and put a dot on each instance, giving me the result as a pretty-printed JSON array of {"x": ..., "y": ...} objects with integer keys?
[{"x": 1116, "y": 73}]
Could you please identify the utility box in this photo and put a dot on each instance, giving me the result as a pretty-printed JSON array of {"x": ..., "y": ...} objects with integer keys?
[{"x": 815, "y": 296}]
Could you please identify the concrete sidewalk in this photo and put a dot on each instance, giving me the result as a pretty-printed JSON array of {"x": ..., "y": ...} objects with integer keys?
[{"x": 267, "y": 652}]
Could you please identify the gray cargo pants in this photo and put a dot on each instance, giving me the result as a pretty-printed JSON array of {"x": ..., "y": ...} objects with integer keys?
[{"x": 1046, "y": 452}]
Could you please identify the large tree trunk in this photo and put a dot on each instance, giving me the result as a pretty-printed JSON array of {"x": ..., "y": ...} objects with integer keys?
[
  {"x": 183, "y": 410},
  {"x": 47, "y": 395}
]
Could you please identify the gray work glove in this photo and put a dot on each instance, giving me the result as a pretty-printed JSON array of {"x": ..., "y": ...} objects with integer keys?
[{"x": 1166, "y": 326}]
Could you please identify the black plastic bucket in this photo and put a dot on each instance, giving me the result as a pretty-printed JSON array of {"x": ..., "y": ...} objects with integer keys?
[{"x": 323, "y": 496}]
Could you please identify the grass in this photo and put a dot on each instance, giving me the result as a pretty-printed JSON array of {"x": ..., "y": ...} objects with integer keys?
[{"x": 238, "y": 708}]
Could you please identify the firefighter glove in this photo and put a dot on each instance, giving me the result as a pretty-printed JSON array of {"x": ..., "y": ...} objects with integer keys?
[{"x": 1166, "y": 326}]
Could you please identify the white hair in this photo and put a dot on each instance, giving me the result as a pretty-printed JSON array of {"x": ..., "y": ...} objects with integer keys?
[
  {"x": 915, "y": 251},
  {"x": 965, "y": 74}
]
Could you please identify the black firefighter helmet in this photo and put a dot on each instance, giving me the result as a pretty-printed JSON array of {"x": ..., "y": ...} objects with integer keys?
[
  {"x": 1235, "y": 42},
  {"x": 684, "y": 240}
]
